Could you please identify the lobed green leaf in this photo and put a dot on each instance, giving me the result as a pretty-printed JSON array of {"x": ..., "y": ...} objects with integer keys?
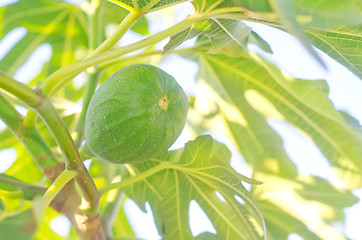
[{"x": 195, "y": 173}]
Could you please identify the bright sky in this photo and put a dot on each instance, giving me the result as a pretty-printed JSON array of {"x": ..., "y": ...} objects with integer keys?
[{"x": 345, "y": 89}]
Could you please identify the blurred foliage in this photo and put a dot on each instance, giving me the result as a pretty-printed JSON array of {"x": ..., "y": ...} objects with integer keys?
[{"x": 237, "y": 93}]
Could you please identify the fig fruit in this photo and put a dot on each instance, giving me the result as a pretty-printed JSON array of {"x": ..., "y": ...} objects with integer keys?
[{"x": 136, "y": 114}]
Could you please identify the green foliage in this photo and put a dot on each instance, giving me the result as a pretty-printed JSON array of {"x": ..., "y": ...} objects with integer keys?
[
  {"x": 242, "y": 82},
  {"x": 58, "y": 23},
  {"x": 238, "y": 93},
  {"x": 19, "y": 226}
]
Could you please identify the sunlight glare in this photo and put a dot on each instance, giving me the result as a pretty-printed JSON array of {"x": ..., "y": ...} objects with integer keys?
[{"x": 199, "y": 222}]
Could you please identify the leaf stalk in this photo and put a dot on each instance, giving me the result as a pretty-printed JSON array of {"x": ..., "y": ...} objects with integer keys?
[{"x": 61, "y": 77}]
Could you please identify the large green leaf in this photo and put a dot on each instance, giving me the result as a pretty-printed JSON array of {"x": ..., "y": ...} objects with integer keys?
[
  {"x": 61, "y": 24},
  {"x": 303, "y": 103},
  {"x": 343, "y": 44},
  {"x": 195, "y": 173},
  {"x": 263, "y": 149},
  {"x": 142, "y": 5}
]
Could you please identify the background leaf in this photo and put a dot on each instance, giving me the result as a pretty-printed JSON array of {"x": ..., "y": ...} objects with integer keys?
[
  {"x": 285, "y": 10},
  {"x": 19, "y": 226},
  {"x": 303, "y": 103},
  {"x": 241, "y": 117},
  {"x": 58, "y": 23},
  {"x": 328, "y": 13}
]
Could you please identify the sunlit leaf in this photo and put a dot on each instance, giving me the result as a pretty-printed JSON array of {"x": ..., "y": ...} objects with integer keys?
[
  {"x": 227, "y": 36},
  {"x": 321, "y": 190},
  {"x": 306, "y": 203},
  {"x": 303, "y": 103},
  {"x": 276, "y": 219},
  {"x": 343, "y": 44},
  {"x": 196, "y": 172},
  {"x": 58, "y": 23},
  {"x": 260, "y": 146}
]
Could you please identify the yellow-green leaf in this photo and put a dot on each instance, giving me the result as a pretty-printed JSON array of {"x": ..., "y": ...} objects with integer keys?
[{"x": 195, "y": 173}]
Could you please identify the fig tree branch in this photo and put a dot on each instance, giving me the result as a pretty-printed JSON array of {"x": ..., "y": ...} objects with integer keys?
[
  {"x": 51, "y": 118},
  {"x": 28, "y": 134},
  {"x": 20, "y": 90}
]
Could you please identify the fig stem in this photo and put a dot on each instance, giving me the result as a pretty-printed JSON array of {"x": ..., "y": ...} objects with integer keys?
[
  {"x": 125, "y": 25},
  {"x": 20, "y": 90},
  {"x": 93, "y": 77},
  {"x": 61, "y": 134},
  {"x": 54, "y": 189},
  {"x": 135, "y": 178}
]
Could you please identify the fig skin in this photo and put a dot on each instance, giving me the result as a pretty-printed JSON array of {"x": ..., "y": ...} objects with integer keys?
[{"x": 135, "y": 115}]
